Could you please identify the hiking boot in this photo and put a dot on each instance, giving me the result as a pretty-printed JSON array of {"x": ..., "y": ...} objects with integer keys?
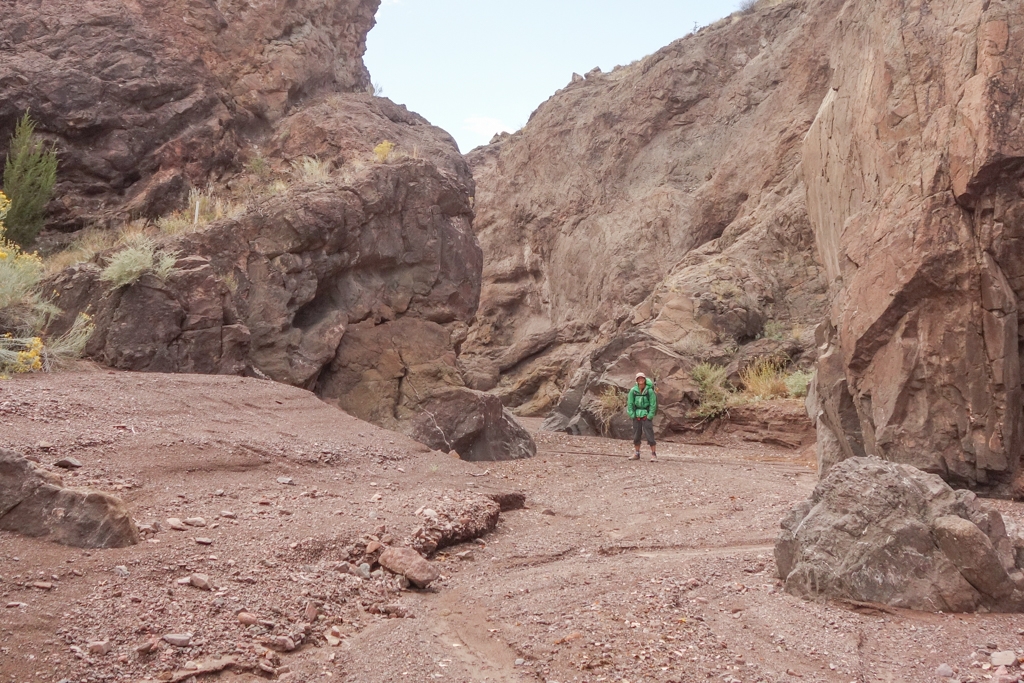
[
  {"x": 654, "y": 457},
  {"x": 635, "y": 456}
]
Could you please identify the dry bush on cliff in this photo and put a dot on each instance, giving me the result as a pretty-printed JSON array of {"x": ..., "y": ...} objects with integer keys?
[
  {"x": 139, "y": 256},
  {"x": 714, "y": 392},
  {"x": 311, "y": 170},
  {"x": 765, "y": 378}
]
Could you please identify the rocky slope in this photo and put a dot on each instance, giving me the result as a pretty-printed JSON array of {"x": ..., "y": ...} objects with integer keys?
[
  {"x": 358, "y": 282},
  {"x": 652, "y": 217},
  {"x": 913, "y": 167}
]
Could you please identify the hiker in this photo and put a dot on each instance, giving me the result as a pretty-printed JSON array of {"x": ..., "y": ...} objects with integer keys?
[{"x": 641, "y": 406}]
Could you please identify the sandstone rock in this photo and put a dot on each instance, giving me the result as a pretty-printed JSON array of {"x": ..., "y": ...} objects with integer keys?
[
  {"x": 914, "y": 211},
  {"x": 944, "y": 671},
  {"x": 175, "y": 524},
  {"x": 178, "y": 639},
  {"x": 35, "y": 503},
  {"x": 410, "y": 564},
  {"x": 880, "y": 532},
  {"x": 461, "y": 518},
  {"x": 1003, "y": 658},
  {"x": 99, "y": 647},
  {"x": 68, "y": 463},
  {"x": 201, "y": 581},
  {"x": 247, "y": 619},
  {"x": 195, "y": 521}
]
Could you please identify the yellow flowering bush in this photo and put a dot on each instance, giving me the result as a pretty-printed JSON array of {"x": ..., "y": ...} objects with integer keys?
[{"x": 25, "y": 312}]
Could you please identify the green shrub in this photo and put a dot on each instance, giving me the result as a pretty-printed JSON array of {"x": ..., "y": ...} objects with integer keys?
[
  {"x": 713, "y": 389},
  {"x": 798, "y": 382},
  {"x": 138, "y": 257},
  {"x": 29, "y": 175}
]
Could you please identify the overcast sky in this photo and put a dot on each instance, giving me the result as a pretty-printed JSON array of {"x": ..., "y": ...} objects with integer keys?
[{"x": 477, "y": 67}]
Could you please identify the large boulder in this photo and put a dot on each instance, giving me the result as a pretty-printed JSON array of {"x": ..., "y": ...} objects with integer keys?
[
  {"x": 35, "y": 502},
  {"x": 473, "y": 424},
  {"x": 881, "y": 532},
  {"x": 914, "y": 166}
]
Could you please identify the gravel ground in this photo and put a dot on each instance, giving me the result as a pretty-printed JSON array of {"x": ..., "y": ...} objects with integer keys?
[{"x": 614, "y": 571}]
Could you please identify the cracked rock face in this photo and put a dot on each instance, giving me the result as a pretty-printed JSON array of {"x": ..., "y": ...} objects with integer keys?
[
  {"x": 914, "y": 166},
  {"x": 876, "y": 531}
]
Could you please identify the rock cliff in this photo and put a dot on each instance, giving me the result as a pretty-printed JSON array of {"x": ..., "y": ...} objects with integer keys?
[
  {"x": 653, "y": 217},
  {"x": 357, "y": 281},
  {"x": 914, "y": 168}
]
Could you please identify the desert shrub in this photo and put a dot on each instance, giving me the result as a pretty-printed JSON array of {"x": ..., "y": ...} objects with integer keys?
[
  {"x": 29, "y": 175},
  {"x": 698, "y": 343},
  {"x": 139, "y": 256},
  {"x": 748, "y": 6},
  {"x": 713, "y": 390},
  {"x": 611, "y": 402},
  {"x": 797, "y": 383},
  {"x": 382, "y": 152},
  {"x": 85, "y": 245},
  {"x": 773, "y": 329},
  {"x": 24, "y": 313},
  {"x": 765, "y": 378},
  {"x": 259, "y": 167},
  {"x": 311, "y": 169}
]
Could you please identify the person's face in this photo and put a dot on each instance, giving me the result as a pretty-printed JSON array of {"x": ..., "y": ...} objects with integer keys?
[{"x": 641, "y": 383}]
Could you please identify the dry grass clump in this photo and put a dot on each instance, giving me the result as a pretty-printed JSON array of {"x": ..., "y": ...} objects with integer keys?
[
  {"x": 203, "y": 208},
  {"x": 798, "y": 382},
  {"x": 311, "y": 170},
  {"x": 713, "y": 390},
  {"x": 139, "y": 256},
  {"x": 765, "y": 378},
  {"x": 611, "y": 402}
]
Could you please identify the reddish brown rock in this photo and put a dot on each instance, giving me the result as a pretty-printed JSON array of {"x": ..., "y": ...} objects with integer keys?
[
  {"x": 913, "y": 171},
  {"x": 410, "y": 564},
  {"x": 34, "y": 502}
]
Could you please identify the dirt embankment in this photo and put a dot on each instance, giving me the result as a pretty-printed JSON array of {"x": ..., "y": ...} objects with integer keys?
[{"x": 613, "y": 571}]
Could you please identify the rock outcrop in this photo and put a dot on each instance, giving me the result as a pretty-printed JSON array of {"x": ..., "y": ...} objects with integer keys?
[
  {"x": 35, "y": 502},
  {"x": 881, "y": 532},
  {"x": 913, "y": 166},
  {"x": 145, "y": 99},
  {"x": 357, "y": 282},
  {"x": 651, "y": 218}
]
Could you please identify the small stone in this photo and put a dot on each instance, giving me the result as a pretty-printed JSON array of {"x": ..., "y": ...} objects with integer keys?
[
  {"x": 204, "y": 541},
  {"x": 219, "y": 492},
  {"x": 201, "y": 581},
  {"x": 944, "y": 671},
  {"x": 520, "y": 662},
  {"x": 548, "y": 511},
  {"x": 11, "y": 605},
  {"x": 247, "y": 618},
  {"x": 228, "y": 514},
  {"x": 178, "y": 639},
  {"x": 281, "y": 644},
  {"x": 44, "y": 445},
  {"x": 176, "y": 524},
  {"x": 372, "y": 547},
  {"x": 287, "y": 481},
  {"x": 364, "y": 570},
  {"x": 99, "y": 647},
  {"x": 195, "y": 521},
  {"x": 430, "y": 512},
  {"x": 43, "y": 585},
  {"x": 121, "y": 571},
  {"x": 190, "y": 665},
  {"x": 311, "y": 612},
  {"x": 1004, "y": 658},
  {"x": 68, "y": 463},
  {"x": 375, "y": 497},
  {"x": 148, "y": 646}
]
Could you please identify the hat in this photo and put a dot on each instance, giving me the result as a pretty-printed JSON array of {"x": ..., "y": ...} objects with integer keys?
[{"x": 640, "y": 374}]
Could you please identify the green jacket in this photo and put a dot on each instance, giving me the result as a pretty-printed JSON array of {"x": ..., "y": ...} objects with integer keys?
[{"x": 642, "y": 403}]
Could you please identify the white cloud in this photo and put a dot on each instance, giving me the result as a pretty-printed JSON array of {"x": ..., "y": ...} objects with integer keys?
[{"x": 485, "y": 126}]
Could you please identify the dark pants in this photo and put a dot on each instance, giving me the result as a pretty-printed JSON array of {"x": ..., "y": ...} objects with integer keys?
[{"x": 642, "y": 429}]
